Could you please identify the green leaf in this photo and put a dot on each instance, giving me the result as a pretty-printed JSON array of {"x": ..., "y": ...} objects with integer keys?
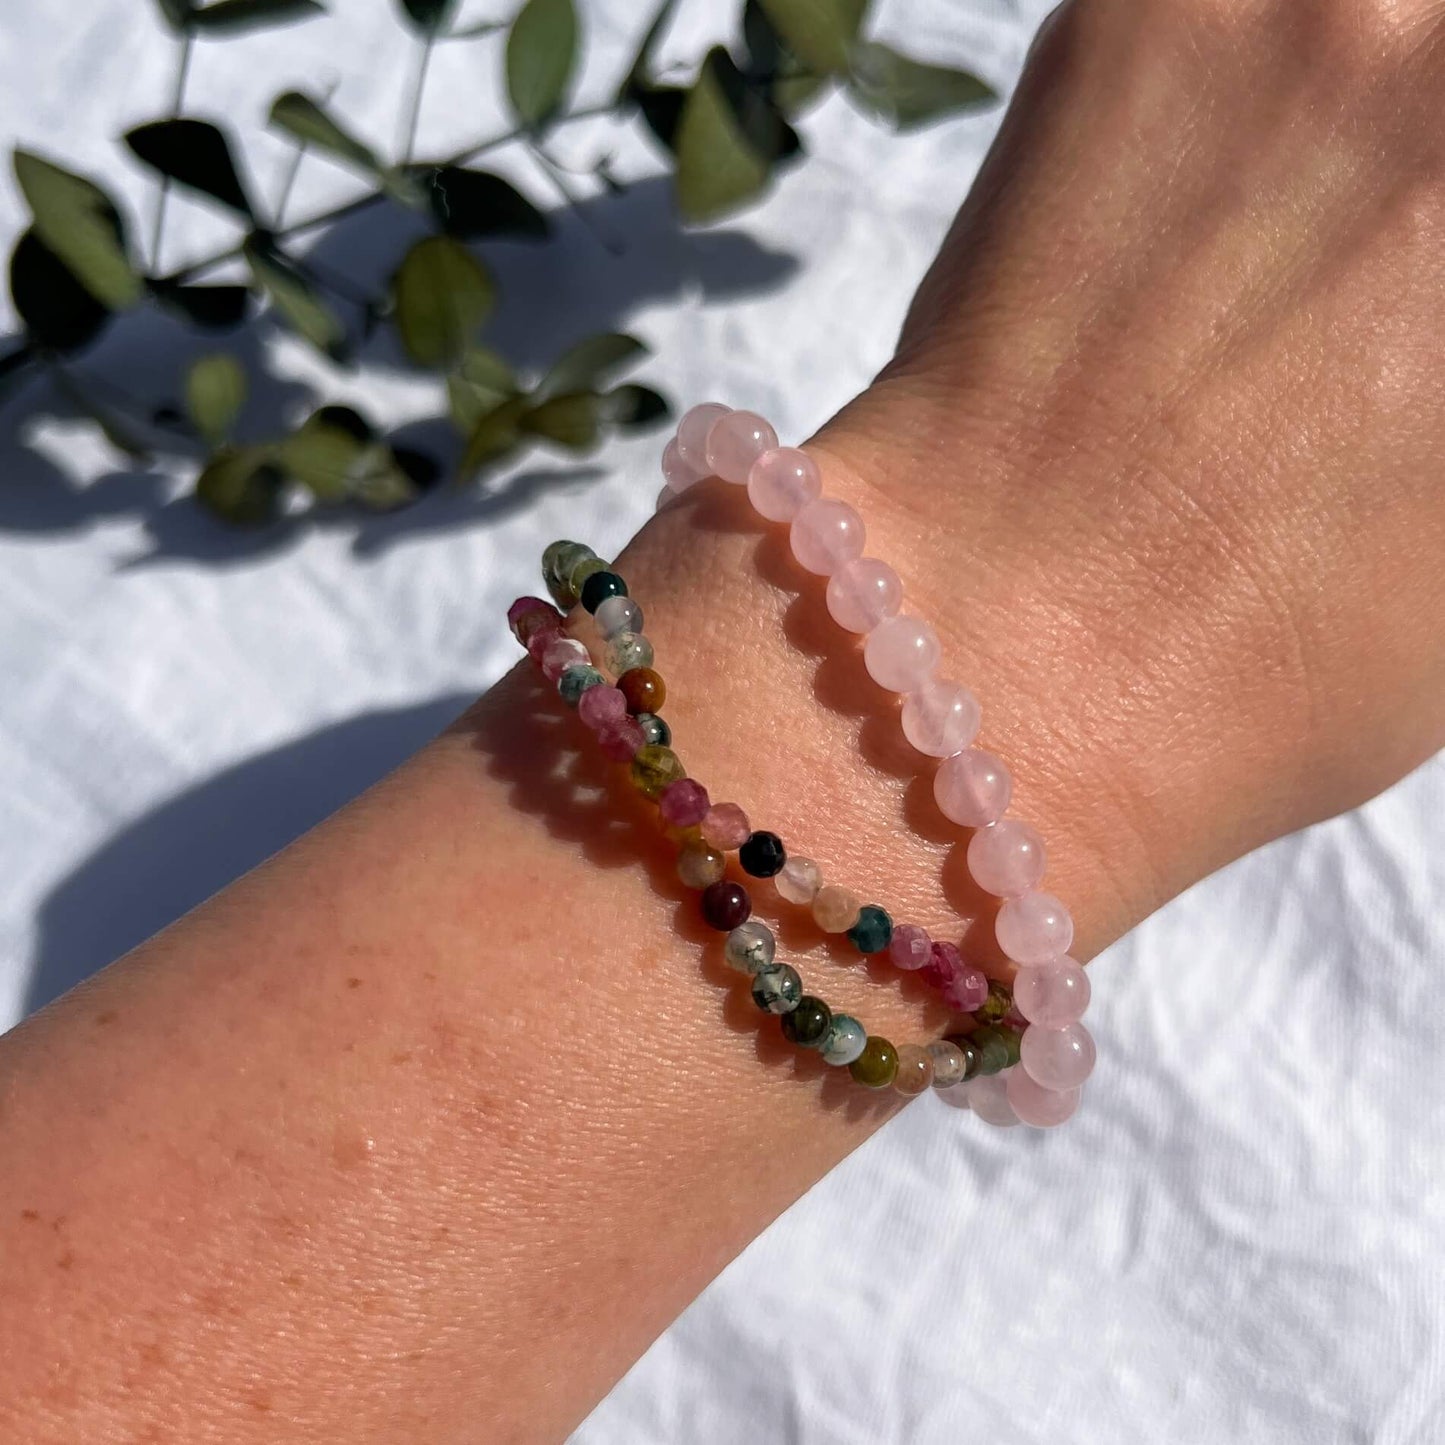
[
  {"x": 192, "y": 153},
  {"x": 428, "y": 17},
  {"x": 480, "y": 383},
  {"x": 472, "y": 204},
  {"x": 215, "y": 393},
  {"x": 633, "y": 407},
  {"x": 307, "y": 121},
  {"x": 819, "y": 32},
  {"x": 583, "y": 367},
  {"x": 176, "y": 14},
  {"x": 232, "y": 17},
  {"x": 57, "y": 310},
  {"x": 380, "y": 482},
  {"x": 772, "y": 66},
  {"x": 241, "y": 486},
  {"x": 441, "y": 294},
  {"x": 541, "y": 53},
  {"x": 292, "y": 295},
  {"x": 212, "y": 307},
  {"x": 324, "y": 456},
  {"x": 81, "y": 225},
  {"x": 573, "y": 421},
  {"x": 908, "y": 93},
  {"x": 496, "y": 434}
]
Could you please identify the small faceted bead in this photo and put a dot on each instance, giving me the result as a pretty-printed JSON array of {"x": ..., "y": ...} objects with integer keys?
[
  {"x": 901, "y": 653},
  {"x": 1058, "y": 1058},
  {"x": 683, "y": 804},
  {"x": 676, "y": 472},
  {"x": 525, "y": 605},
  {"x": 940, "y": 718},
  {"x": 621, "y": 741},
  {"x": 966, "y": 991},
  {"x": 948, "y": 1063},
  {"x": 945, "y": 963},
  {"x": 558, "y": 561},
  {"x": 1052, "y": 993},
  {"x": 781, "y": 482},
  {"x": 835, "y": 909},
  {"x": 540, "y": 640},
  {"x": 799, "y": 880},
  {"x": 862, "y": 593},
  {"x": 699, "y": 865},
  {"x": 735, "y": 442},
  {"x": 988, "y": 1098},
  {"x": 726, "y": 826},
  {"x": 873, "y": 931},
  {"x": 560, "y": 654},
  {"x": 808, "y": 1023},
  {"x": 750, "y": 947},
  {"x": 1037, "y": 1106},
  {"x": 644, "y": 690},
  {"x": 1006, "y": 858},
  {"x": 600, "y": 706},
  {"x": 844, "y": 1041},
  {"x": 826, "y": 534},
  {"x": 993, "y": 1050},
  {"x": 616, "y": 615},
  {"x": 910, "y": 947},
  {"x": 576, "y": 680},
  {"x": 654, "y": 730},
  {"x": 877, "y": 1065},
  {"x": 996, "y": 1005},
  {"x": 966, "y": 1046},
  {"x": 915, "y": 1070},
  {"x": 588, "y": 567},
  {"x": 762, "y": 854},
  {"x": 599, "y": 587},
  {"x": 654, "y": 768},
  {"x": 972, "y": 788},
  {"x": 725, "y": 904},
  {"x": 1034, "y": 928},
  {"x": 628, "y": 650},
  {"x": 777, "y": 989},
  {"x": 692, "y": 433}
]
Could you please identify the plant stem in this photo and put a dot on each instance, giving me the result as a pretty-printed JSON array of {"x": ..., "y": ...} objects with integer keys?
[
  {"x": 288, "y": 184},
  {"x": 178, "y": 100},
  {"x": 418, "y": 85}
]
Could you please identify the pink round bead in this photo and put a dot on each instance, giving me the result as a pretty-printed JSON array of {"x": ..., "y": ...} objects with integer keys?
[
  {"x": 972, "y": 788},
  {"x": 862, "y": 593},
  {"x": 726, "y": 827},
  {"x": 967, "y": 990},
  {"x": 1006, "y": 858},
  {"x": 941, "y": 718},
  {"x": 826, "y": 534},
  {"x": 988, "y": 1098},
  {"x": 683, "y": 804},
  {"x": 910, "y": 947},
  {"x": 735, "y": 442},
  {"x": 901, "y": 653},
  {"x": 1037, "y": 1106},
  {"x": 692, "y": 433},
  {"x": 799, "y": 881},
  {"x": 542, "y": 639},
  {"x": 599, "y": 706},
  {"x": 945, "y": 963},
  {"x": 560, "y": 654},
  {"x": 524, "y": 605},
  {"x": 1057, "y": 1058},
  {"x": 781, "y": 482},
  {"x": 620, "y": 740},
  {"x": 1052, "y": 993},
  {"x": 1034, "y": 928},
  {"x": 676, "y": 472}
]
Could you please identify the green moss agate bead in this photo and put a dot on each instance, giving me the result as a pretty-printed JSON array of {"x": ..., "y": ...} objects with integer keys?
[
  {"x": 654, "y": 767},
  {"x": 808, "y": 1023},
  {"x": 873, "y": 931},
  {"x": 750, "y": 947},
  {"x": 996, "y": 1005},
  {"x": 777, "y": 989},
  {"x": 654, "y": 729},
  {"x": 877, "y": 1066},
  {"x": 628, "y": 650},
  {"x": 844, "y": 1040},
  {"x": 576, "y": 680},
  {"x": 997, "y": 1048}
]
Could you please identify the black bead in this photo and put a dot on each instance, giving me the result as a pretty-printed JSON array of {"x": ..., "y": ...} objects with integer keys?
[
  {"x": 599, "y": 587},
  {"x": 763, "y": 855},
  {"x": 808, "y": 1022}
]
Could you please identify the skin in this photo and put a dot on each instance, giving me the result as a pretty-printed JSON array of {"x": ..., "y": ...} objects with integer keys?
[{"x": 433, "y": 1122}]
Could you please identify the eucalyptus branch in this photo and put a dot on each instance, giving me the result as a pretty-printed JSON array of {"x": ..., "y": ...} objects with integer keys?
[
  {"x": 418, "y": 85},
  {"x": 178, "y": 101}
]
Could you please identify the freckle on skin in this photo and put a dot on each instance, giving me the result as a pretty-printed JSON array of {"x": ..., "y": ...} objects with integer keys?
[
  {"x": 30, "y": 1215},
  {"x": 66, "y": 1260},
  {"x": 107, "y": 1017},
  {"x": 403, "y": 1057},
  {"x": 353, "y": 983},
  {"x": 350, "y": 1148}
]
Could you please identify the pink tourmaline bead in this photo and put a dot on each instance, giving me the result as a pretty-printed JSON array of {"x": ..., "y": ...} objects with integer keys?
[
  {"x": 726, "y": 827},
  {"x": 683, "y": 803},
  {"x": 826, "y": 534},
  {"x": 676, "y": 472},
  {"x": 540, "y": 640},
  {"x": 524, "y": 605},
  {"x": 1057, "y": 1058},
  {"x": 692, "y": 433},
  {"x": 620, "y": 740},
  {"x": 1052, "y": 993},
  {"x": 972, "y": 788},
  {"x": 735, "y": 442},
  {"x": 1034, "y": 928},
  {"x": 862, "y": 593},
  {"x": 901, "y": 653},
  {"x": 599, "y": 706},
  {"x": 1037, "y": 1106},
  {"x": 967, "y": 990},
  {"x": 945, "y": 963},
  {"x": 988, "y": 1098},
  {"x": 562, "y": 653},
  {"x": 782, "y": 482},
  {"x": 1007, "y": 858},
  {"x": 941, "y": 718},
  {"x": 910, "y": 947}
]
